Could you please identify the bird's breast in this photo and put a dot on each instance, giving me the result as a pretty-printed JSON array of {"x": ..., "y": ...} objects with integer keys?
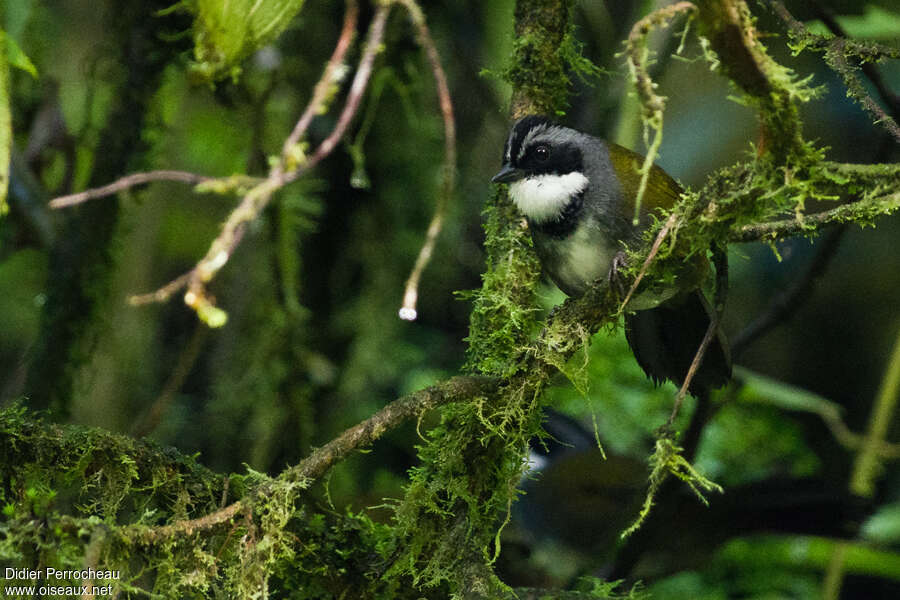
[{"x": 578, "y": 259}]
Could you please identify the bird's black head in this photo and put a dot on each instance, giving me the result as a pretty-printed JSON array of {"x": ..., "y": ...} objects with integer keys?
[{"x": 538, "y": 146}]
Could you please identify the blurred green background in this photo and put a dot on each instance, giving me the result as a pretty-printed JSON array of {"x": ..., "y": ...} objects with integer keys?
[{"x": 313, "y": 343}]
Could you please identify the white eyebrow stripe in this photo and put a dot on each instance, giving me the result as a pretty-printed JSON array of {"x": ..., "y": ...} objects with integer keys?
[
  {"x": 532, "y": 133},
  {"x": 551, "y": 134}
]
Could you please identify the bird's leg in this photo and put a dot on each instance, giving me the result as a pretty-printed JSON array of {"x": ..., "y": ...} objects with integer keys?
[{"x": 619, "y": 262}]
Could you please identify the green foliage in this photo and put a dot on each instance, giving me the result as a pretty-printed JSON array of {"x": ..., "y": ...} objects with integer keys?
[
  {"x": 89, "y": 485},
  {"x": 752, "y": 443},
  {"x": 225, "y": 33},
  {"x": 16, "y": 57},
  {"x": 464, "y": 486},
  {"x": 764, "y": 552},
  {"x": 884, "y": 526},
  {"x": 545, "y": 51},
  {"x": 667, "y": 460}
]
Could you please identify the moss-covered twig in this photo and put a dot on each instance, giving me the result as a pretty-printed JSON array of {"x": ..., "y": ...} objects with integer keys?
[
  {"x": 838, "y": 53},
  {"x": 729, "y": 27},
  {"x": 861, "y": 212},
  {"x": 162, "y": 533},
  {"x": 652, "y": 104},
  {"x": 455, "y": 389}
]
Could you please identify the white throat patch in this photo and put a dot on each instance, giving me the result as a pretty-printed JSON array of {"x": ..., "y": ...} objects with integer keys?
[{"x": 542, "y": 197}]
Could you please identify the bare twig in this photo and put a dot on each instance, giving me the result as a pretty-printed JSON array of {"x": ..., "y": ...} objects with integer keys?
[
  {"x": 354, "y": 96},
  {"x": 701, "y": 413},
  {"x": 654, "y": 250},
  {"x": 411, "y": 293},
  {"x": 330, "y": 77},
  {"x": 785, "y": 304},
  {"x": 163, "y": 293},
  {"x": 126, "y": 182},
  {"x": 258, "y": 197},
  {"x": 711, "y": 331}
]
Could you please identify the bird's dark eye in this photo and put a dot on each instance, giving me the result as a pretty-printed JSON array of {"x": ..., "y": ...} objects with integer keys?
[{"x": 542, "y": 152}]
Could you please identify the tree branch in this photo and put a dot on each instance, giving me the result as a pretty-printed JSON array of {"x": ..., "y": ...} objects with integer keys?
[
  {"x": 835, "y": 51},
  {"x": 126, "y": 182},
  {"x": 455, "y": 389},
  {"x": 786, "y": 303},
  {"x": 859, "y": 211}
]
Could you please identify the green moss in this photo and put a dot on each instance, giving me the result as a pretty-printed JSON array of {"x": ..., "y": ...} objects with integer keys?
[{"x": 503, "y": 317}]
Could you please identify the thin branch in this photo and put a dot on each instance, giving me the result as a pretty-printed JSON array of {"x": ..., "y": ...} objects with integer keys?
[
  {"x": 654, "y": 250},
  {"x": 354, "y": 96},
  {"x": 126, "y": 182},
  {"x": 720, "y": 257},
  {"x": 330, "y": 77},
  {"x": 411, "y": 293},
  {"x": 835, "y": 53},
  {"x": 255, "y": 201},
  {"x": 869, "y": 69},
  {"x": 163, "y": 293},
  {"x": 784, "y": 305},
  {"x": 866, "y": 468},
  {"x": 153, "y": 535},
  {"x": 454, "y": 389},
  {"x": 776, "y": 230},
  {"x": 711, "y": 331}
]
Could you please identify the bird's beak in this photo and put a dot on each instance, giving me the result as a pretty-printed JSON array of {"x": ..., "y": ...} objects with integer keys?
[{"x": 508, "y": 174}]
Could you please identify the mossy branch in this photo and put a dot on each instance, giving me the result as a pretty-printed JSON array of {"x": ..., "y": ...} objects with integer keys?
[
  {"x": 845, "y": 56},
  {"x": 730, "y": 29}
]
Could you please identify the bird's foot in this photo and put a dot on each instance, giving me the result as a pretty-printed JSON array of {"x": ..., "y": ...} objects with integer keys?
[{"x": 619, "y": 262}]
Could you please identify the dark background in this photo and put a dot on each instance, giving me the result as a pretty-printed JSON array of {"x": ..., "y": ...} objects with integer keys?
[{"x": 313, "y": 343}]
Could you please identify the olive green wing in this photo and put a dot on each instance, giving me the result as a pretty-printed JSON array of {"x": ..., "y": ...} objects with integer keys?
[{"x": 662, "y": 191}]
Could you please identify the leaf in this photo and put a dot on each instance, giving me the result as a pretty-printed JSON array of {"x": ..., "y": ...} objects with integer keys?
[
  {"x": 17, "y": 58},
  {"x": 225, "y": 33},
  {"x": 876, "y": 23}
]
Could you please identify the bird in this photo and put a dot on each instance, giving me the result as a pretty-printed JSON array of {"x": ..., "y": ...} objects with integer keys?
[{"x": 577, "y": 193}]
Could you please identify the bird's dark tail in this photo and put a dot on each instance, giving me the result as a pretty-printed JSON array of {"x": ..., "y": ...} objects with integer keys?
[{"x": 666, "y": 338}]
